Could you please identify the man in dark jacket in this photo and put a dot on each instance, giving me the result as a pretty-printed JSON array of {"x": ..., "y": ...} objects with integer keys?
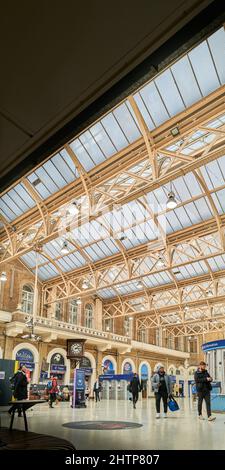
[
  {"x": 135, "y": 388},
  {"x": 203, "y": 387},
  {"x": 20, "y": 383}
]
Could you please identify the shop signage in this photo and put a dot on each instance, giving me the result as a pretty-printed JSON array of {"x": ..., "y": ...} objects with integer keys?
[
  {"x": 85, "y": 363},
  {"x": 126, "y": 377},
  {"x": 28, "y": 365},
  {"x": 87, "y": 370},
  {"x": 58, "y": 368},
  {"x": 2, "y": 375},
  {"x": 24, "y": 355},
  {"x": 220, "y": 344},
  {"x": 127, "y": 368},
  {"x": 57, "y": 359},
  {"x": 108, "y": 367}
]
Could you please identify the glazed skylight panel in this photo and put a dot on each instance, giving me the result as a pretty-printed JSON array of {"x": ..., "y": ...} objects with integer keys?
[
  {"x": 194, "y": 76},
  {"x": 112, "y": 133},
  {"x": 102, "y": 249},
  {"x": 191, "y": 270},
  {"x": 15, "y": 202},
  {"x": 54, "y": 174},
  {"x": 217, "y": 263}
]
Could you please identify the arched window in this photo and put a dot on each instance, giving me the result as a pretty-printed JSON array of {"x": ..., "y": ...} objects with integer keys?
[
  {"x": 89, "y": 316},
  {"x": 58, "y": 311},
  {"x": 27, "y": 299},
  {"x": 73, "y": 312}
]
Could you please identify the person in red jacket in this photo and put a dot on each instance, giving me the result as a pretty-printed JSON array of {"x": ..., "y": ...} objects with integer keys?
[{"x": 53, "y": 392}]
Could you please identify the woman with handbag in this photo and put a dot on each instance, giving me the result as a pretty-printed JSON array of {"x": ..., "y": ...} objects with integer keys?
[{"x": 162, "y": 387}]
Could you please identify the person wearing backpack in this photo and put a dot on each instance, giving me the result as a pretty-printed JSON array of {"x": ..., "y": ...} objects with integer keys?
[
  {"x": 162, "y": 387},
  {"x": 135, "y": 388},
  {"x": 203, "y": 386}
]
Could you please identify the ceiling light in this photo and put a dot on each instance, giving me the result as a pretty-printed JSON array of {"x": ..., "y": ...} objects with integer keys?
[
  {"x": 161, "y": 262},
  {"x": 130, "y": 318},
  {"x": 3, "y": 277},
  {"x": 186, "y": 308},
  {"x": 65, "y": 250},
  {"x": 73, "y": 209},
  {"x": 175, "y": 131},
  {"x": 209, "y": 293},
  {"x": 85, "y": 285},
  {"x": 139, "y": 285},
  {"x": 79, "y": 302},
  {"x": 36, "y": 182},
  {"x": 171, "y": 202}
]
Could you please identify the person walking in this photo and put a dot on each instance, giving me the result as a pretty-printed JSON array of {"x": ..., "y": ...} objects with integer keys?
[
  {"x": 97, "y": 390},
  {"x": 162, "y": 387},
  {"x": 53, "y": 391},
  {"x": 135, "y": 388},
  {"x": 20, "y": 384},
  {"x": 203, "y": 386}
]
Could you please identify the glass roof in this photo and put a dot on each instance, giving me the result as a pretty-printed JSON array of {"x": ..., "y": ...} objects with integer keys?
[{"x": 189, "y": 79}]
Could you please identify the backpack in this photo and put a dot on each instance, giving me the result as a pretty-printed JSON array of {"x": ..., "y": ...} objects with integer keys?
[{"x": 49, "y": 385}]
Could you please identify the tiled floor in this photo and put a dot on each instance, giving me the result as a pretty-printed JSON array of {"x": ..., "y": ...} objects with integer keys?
[{"x": 181, "y": 430}]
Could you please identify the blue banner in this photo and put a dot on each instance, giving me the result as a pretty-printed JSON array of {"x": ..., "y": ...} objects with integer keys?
[
  {"x": 220, "y": 344},
  {"x": 80, "y": 379},
  {"x": 127, "y": 377}
]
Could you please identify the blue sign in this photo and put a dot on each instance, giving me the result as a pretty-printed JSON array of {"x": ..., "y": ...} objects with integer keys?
[
  {"x": 24, "y": 355},
  {"x": 127, "y": 377},
  {"x": 127, "y": 368},
  {"x": 108, "y": 367},
  {"x": 87, "y": 370},
  {"x": 144, "y": 372},
  {"x": 220, "y": 344},
  {"x": 58, "y": 368},
  {"x": 173, "y": 378},
  {"x": 28, "y": 365},
  {"x": 80, "y": 380}
]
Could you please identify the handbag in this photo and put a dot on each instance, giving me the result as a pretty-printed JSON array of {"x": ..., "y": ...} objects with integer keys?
[{"x": 173, "y": 405}]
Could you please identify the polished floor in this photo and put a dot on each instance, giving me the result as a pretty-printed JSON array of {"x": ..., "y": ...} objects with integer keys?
[{"x": 181, "y": 430}]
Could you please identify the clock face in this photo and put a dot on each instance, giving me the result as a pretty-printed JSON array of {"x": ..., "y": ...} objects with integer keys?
[{"x": 76, "y": 348}]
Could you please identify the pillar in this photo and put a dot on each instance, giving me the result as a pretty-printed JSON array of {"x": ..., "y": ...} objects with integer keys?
[{"x": 98, "y": 314}]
